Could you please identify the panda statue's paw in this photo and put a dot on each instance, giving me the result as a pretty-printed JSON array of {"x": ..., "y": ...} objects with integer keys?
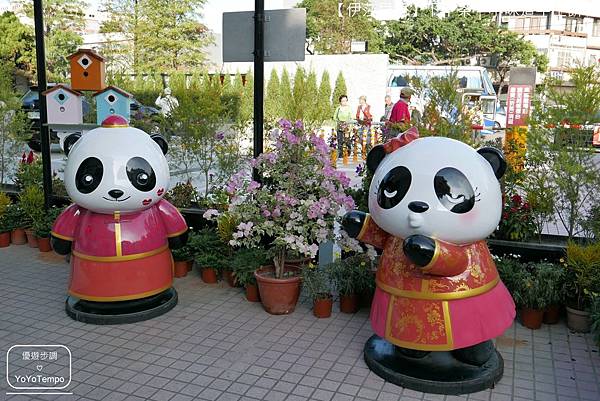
[
  {"x": 178, "y": 241},
  {"x": 419, "y": 249},
  {"x": 353, "y": 222},
  {"x": 61, "y": 246}
]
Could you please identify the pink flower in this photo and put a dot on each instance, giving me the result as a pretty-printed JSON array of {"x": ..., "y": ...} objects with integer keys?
[
  {"x": 210, "y": 213},
  {"x": 253, "y": 186}
]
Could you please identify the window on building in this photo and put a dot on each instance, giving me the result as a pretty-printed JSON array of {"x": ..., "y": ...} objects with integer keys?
[
  {"x": 537, "y": 23},
  {"x": 520, "y": 24},
  {"x": 564, "y": 59},
  {"x": 596, "y": 27},
  {"x": 573, "y": 24}
]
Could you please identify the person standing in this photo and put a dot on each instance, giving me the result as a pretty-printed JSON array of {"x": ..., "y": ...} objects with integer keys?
[
  {"x": 342, "y": 117},
  {"x": 167, "y": 103},
  {"x": 364, "y": 119},
  {"x": 389, "y": 105},
  {"x": 400, "y": 111}
]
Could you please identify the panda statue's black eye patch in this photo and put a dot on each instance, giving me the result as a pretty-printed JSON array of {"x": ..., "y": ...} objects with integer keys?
[
  {"x": 454, "y": 190},
  {"x": 393, "y": 187},
  {"x": 140, "y": 174},
  {"x": 89, "y": 175}
]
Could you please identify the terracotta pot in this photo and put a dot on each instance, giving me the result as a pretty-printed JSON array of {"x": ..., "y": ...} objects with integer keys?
[
  {"x": 578, "y": 320},
  {"x": 278, "y": 296},
  {"x": 17, "y": 236},
  {"x": 349, "y": 303},
  {"x": 252, "y": 294},
  {"x": 209, "y": 275},
  {"x": 181, "y": 268},
  {"x": 44, "y": 244},
  {"x": 31, "y": 238},
  {"x": 322, "y": 307},
  {"x": 229, "y": 277},
  {"x": 190, "y": 265},
  {"x": 532, "y": 318},
  {"x": 552, "y": 314},
  {"x": 4, "y": 239}
]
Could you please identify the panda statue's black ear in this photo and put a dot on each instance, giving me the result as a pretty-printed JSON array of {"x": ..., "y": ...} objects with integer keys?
[
  {"x": 374, "y": 157},
  {"x": 162, "y": 142},
  {"x": 70, "y": 141},
  {"x": 496, "y": 159}
]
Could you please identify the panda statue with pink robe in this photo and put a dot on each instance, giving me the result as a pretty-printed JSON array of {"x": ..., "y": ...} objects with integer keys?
[{"x": 439, "y": 299}]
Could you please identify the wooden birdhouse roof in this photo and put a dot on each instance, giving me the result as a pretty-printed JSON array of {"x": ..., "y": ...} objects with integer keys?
[
  {"x": 61, "y": 86},
  {"x": 89, "y": 52},
  {"x": 114, "y": 88}
]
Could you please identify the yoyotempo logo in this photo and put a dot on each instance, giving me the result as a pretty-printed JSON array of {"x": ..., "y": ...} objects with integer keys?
[{"x": 38, "y": 367}]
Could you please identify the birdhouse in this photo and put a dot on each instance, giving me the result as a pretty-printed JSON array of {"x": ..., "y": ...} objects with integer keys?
[
  {"x": 88, "y": 70},
  {"x": 110, "y": 101},
  {"x": 64, "y": 105}
]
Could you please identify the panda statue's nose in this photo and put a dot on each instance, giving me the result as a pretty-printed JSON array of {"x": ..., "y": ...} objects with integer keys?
[
  {"x": 418, "y": 206},
  {"x": 115, "y": 193}
]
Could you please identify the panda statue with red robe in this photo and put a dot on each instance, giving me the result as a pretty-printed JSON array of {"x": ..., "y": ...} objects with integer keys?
[
  {"x": 119, "y": 230},
  {"x": 439, "y": 300}
]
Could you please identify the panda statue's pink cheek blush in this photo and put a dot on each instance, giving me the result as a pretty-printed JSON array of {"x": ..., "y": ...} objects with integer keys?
[
  {"x": 146, "y": 202},
  {"x": 160, "y": 192}
]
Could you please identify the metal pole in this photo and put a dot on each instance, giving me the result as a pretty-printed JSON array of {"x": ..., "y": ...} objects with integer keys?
[
  {"x": 38, "y": 18},
  {"x": 259, "y": 77}
]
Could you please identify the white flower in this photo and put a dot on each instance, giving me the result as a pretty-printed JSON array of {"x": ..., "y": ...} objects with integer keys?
[
  {"x": 371, "y": 252},
  {"x": 210, "y": 213}
]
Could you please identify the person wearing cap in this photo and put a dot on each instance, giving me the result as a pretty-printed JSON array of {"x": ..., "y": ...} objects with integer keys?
[
  {"x": 364, "y": 119},
  {"x": 400, "y": 112},
  {"x": 167, "y": 103},
  {"x": 342, "y": 117}
]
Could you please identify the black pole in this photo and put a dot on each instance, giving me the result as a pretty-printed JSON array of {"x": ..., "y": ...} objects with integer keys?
[
  {"x": 259, "y": 77},
  {"x": 40, "y": 54}
]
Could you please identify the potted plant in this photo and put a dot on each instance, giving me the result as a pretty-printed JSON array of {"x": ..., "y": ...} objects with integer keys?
[
  {"x": 511, "y": 271},
  {"x": 225, "y": 227},
  {"x": 31, "y": 200},
  {"x": 552, "y": 277},
  {"x": 293, "y": 209},
  {"x": 244, "y": 263},
  {"x": 209, "y": 252},
  {"x": 365, "y": 279},
  {"x": 5, "y": 224},
  {"x": 16, "y": 219},
  {"x": 343, "y": 274},
  {"x": 530, "y": 297},
  {"x": 42, "y": 227},
  {"x": 582, "y": 283},
  {"x": 183, "y": 257},
  {"x": 183, "y": 195},
  {"x": 595, "y": 319},
  {"x": 315, "y": 282}
]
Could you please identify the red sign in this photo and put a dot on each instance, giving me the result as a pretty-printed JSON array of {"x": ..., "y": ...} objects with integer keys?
[{"x": 518, "y": 105}]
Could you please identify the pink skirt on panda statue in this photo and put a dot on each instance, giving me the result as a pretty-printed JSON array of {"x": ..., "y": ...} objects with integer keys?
[{"x": 442, "y": 325}]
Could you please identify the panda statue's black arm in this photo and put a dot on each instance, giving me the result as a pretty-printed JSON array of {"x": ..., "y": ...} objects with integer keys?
[
  {"x": 178, "y": 241},
  {"x": 353, "y": 222},
  {"x": 61, "y": 246},
  {"x": 419, "y": 249}
]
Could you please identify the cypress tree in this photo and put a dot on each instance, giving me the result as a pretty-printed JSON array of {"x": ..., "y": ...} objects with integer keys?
[
  {"x": 340, "y": 88},
  {"x": 311, "y": 100},
  {"x": 273, "y": 106},
  {"x": 299, "y": 92},
  {"x": 285, "y": 90},
  {"x": 324, "y": 101}
]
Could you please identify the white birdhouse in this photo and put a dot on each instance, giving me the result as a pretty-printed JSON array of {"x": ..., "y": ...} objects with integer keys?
[{"x": 64, "y": 105}]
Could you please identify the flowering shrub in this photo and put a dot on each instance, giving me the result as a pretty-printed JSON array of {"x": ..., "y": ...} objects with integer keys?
[
  {"x": 297, "y": 203},
  {"x": 517, "y": 222}
]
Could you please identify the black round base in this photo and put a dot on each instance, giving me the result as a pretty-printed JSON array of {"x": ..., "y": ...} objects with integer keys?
[
  {"x": 438, "y": 372},
  {"x": 121, "y": 312}
]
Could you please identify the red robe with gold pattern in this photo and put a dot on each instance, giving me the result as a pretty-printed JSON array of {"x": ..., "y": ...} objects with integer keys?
[
  {"x": 456, "y": 301},
  {"x": 117, "y": 257}
]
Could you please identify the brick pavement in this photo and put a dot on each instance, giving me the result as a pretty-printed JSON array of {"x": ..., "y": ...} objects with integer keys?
[{"x": 214, "y": 345}]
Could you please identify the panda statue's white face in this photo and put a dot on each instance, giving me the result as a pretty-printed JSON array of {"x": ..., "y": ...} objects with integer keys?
[
  {"x": 116, "y": 169},
  {"x": 437, "y": 187}
]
